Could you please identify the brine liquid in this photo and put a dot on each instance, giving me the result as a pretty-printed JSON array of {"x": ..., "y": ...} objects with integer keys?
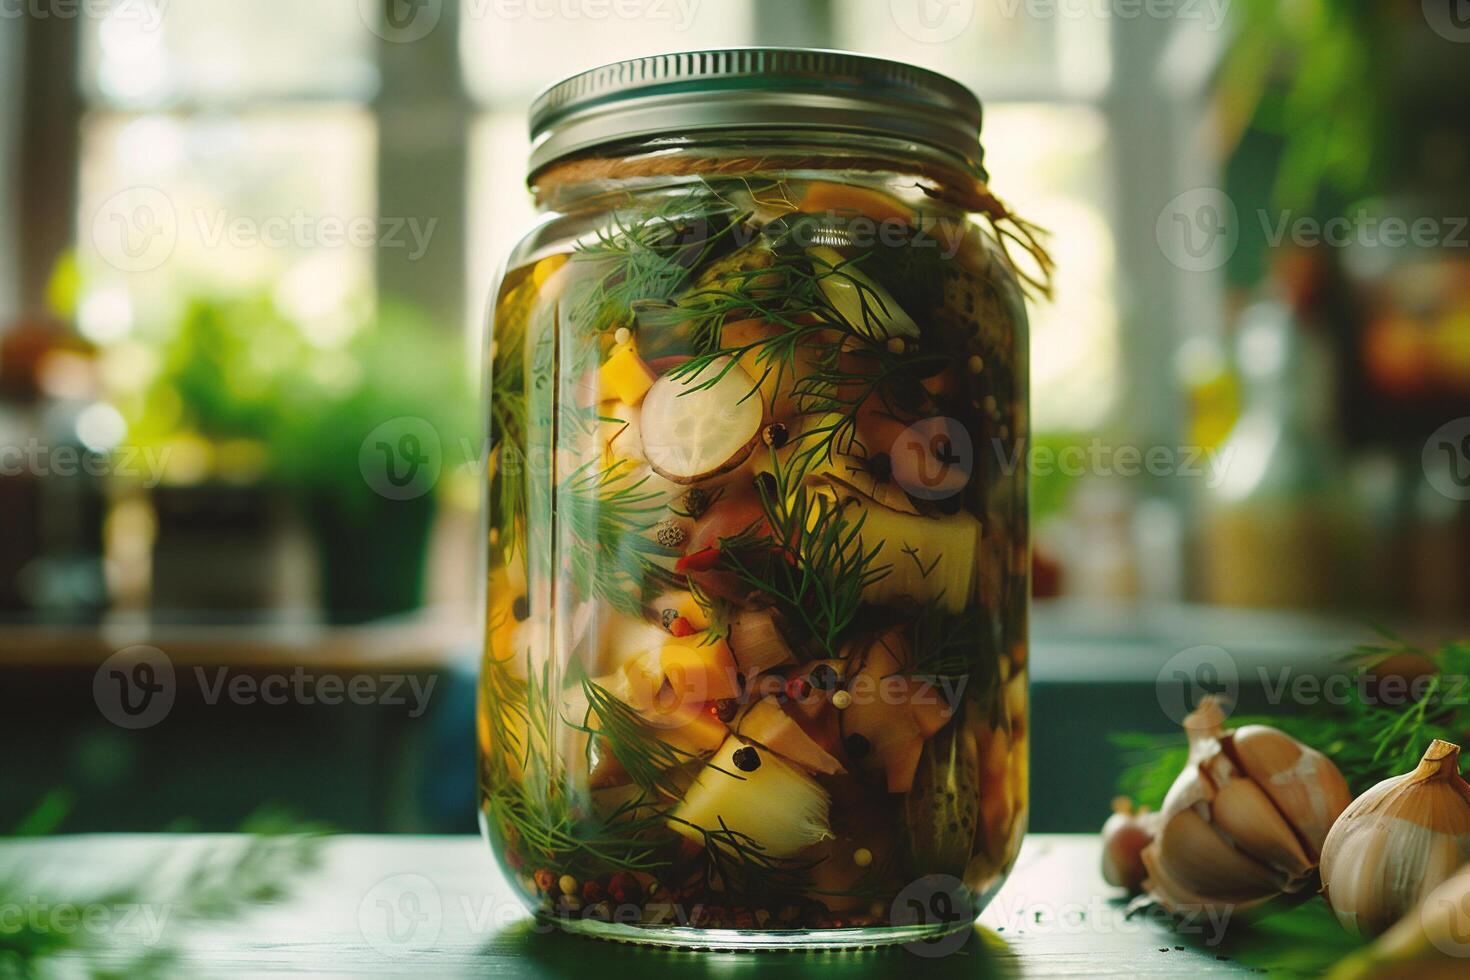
[{"x": 758, "y": 574}]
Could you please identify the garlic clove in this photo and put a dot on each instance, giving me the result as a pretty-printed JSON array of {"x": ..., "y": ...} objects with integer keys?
[
  {"x": 1303, "y": 783},
  {"x": 1191, "y": 854},
  {"x": 1124, "y": 836},
  {"x": 1243, "y": 812}
]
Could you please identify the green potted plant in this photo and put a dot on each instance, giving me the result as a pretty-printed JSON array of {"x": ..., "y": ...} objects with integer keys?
[{"x": 369, "y": 437}]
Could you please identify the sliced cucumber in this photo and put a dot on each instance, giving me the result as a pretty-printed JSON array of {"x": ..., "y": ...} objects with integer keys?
[{"x": 699, "y": 426}]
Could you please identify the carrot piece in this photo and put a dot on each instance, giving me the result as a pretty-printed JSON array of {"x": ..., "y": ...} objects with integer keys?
[{"x": 823, "y": 195}]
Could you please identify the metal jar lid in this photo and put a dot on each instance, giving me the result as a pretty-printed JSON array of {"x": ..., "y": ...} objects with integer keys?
[{"x": 752, "y": 89}]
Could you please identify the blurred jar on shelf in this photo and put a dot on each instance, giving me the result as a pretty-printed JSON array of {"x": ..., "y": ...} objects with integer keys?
[
  {"x": 1278, "y": 528},
  {"x": 52, "y": 498}
]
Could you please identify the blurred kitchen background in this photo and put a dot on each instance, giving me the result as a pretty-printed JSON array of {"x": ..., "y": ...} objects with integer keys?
[{"x": 241, "y": 243}]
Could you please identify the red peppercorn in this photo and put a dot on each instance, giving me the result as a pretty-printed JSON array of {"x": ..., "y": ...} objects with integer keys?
[
  {"x": 682, "y": 627},
  {"x": 546, "y": 881},
  {"x": 625, "y": 889},
  {"x": 744, "y": 920},
  {"x": 700, "y": 561},
  {"x": 593, "y": 891},
  {"x": 798, "y": 688}
]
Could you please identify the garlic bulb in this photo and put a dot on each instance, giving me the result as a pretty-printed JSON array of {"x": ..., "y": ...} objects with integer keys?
[
  {"x": 1245, "y": 821},
  {"x": 1124, "y": 836},
  {"x": 1397, "y": 842}
]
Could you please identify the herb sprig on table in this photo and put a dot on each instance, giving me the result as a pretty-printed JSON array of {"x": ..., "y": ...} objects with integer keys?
[{"x": 223, "y": 882}]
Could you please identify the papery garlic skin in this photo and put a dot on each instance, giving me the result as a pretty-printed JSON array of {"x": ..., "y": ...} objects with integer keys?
[
  {"x": 1245, "y": 820},
  {"x": 1397, "y": 842}
]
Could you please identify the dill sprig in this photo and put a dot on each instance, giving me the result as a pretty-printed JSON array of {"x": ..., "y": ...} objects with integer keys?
[
  {"x": 738, "y": 865},
  {"x": 647, "y": 759},
  {"x": 606, "y": 515},
  {"x": 811, "y": 562},
  {"x": 537, "y": 807},
  {"x": 648, "y": 257},
  {"x": 953, "y": 644}
]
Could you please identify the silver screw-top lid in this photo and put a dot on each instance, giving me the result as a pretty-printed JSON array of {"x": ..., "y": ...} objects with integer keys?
[{"x": 751, "y": 89}]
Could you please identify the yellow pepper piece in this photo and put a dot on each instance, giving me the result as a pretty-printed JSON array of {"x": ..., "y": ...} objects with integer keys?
[
  {"x": 625, "y": 376},
  {"x": 546, "y": 268}
]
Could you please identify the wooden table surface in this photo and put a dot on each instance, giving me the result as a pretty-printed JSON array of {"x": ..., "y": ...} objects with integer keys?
[{"x": 437, "y": 907}]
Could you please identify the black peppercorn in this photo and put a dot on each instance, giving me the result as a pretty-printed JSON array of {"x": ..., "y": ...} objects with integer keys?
[
  {"x": 696, "y": 501},
  {"x": 520, "y": 609},
  {"x": 746, "y": 759},
  {"x": 880, "y": 467},
  {"x": 765, "y": 484},
  {"x": 775, "y": 435},
  {"x": 725, "y": 710},
  {"x": 824, "y": 677},
  {"x": 668, "y": 616},
  {"x": 857, "y": 746}
]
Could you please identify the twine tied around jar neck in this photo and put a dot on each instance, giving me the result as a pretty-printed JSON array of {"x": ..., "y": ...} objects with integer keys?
[{"x": 951, "y": 185}]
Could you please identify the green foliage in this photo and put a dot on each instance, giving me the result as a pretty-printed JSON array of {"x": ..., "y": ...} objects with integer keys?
[
  {"x": 1369, "y": 741},
  {"x": 1313, "y": 74},
  {"x": 237, "y": 368},
  {"x": 402, "y": 365},
  {"x": 221, "y": 881},
  {"x": 226, "y": 370}
]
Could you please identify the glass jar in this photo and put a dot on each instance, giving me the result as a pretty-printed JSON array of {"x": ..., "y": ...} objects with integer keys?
[{"x": 758, "y": 557}]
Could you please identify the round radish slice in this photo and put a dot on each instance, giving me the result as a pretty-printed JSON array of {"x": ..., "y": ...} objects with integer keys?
[{"x": 697, "y": 426}]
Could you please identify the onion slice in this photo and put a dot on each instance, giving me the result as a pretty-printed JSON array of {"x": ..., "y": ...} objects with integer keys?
[
  {"x": 866, "y": 307},
  {"x": 699, "y": 426}
]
